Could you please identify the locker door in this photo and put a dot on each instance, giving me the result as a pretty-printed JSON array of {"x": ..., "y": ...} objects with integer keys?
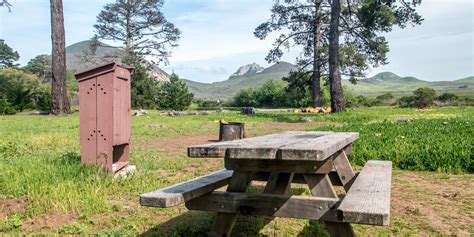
[
  {"x": 105, "y": 120},
  {"x": 88, "y": 120}
]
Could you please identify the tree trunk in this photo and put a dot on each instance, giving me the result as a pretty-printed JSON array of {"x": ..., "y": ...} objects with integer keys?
[
  {"x": 337, "y": 95},
  {"x": 316, "y": 81},
  {"x": 60, "y": 101}
]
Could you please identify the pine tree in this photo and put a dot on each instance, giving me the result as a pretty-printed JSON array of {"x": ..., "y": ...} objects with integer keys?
[
  {"x": 175, "y": 94},
  {"x": 303, "y": 20},
  {"x": 140, "y": 26},
  {"x": 8, "y": 56}
]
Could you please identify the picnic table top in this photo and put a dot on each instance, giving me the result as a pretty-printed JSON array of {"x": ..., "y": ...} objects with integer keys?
[{"x": 295, "y": 145}]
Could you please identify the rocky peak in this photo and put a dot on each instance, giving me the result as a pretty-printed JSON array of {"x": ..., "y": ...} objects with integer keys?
[{"x": 248, "y": 70}]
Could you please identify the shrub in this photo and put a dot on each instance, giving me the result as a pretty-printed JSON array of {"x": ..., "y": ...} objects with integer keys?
[
  {"x": 448, "y": 97},
  {"x": 19, "y": 88},
  {"x": 246, "y": 98},
  {"x": 386, "y": 96},
  {"x": 208, "y": 103},
  {"x": 6, "y": 108},
  {"x": 406, "y": 101},
  {"x": 424, "y": 97},
  {"x": 387, "y": 99},
  {"x": 271, "y": 94},
  {"x": 44, "y": 99}
]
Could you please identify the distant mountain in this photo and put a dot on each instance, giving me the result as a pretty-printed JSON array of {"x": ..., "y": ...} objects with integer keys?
[
  {"x": 80, "y": 56},
  {"x": 248, "y": 70},
  {"x": 381, "y": 83},
  {"x": 248, "y": 76},
  {"x": 390, "y": 82}
]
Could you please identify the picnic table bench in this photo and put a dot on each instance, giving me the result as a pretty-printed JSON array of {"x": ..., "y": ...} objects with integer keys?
[{"x": 318, "y": 159}]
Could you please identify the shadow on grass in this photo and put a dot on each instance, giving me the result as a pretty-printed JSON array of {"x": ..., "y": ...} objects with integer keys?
[
  {"x": 191, "y": 223},
  {"x": 197, "y": 223},
  {"x": 313, "y": 228}
]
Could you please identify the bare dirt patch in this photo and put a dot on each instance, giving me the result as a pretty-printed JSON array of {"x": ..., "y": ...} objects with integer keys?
[
  {"x": 439, "y": 203},
  {"x": 50, "y": 221},
  {"x": 13, "y": 206}
]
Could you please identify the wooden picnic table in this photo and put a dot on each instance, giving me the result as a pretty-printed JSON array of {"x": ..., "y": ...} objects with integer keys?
[{"x": 318, "y": 159}]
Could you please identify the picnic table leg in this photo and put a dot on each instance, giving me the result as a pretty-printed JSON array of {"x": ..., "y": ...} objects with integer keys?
[
  {"x": 224, "y": 222},
  {"x": 321, "y": 186},
  {"x": 344, "y": 170},
  {"x": 278, "y": 183}
]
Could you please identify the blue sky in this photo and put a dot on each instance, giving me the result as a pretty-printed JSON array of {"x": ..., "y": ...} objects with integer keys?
[{"x": 217, "y": 36}]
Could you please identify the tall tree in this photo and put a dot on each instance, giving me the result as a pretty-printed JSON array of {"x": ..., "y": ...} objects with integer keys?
[
  {"x": 140, "y": 26},
  {"x": 7, "y": 55},
  {"x": 60, "y": 102},
  {"x": 303, "y": 20},
  {"x": 362, "y": 23},
  {"x": 335, "y": 84}
]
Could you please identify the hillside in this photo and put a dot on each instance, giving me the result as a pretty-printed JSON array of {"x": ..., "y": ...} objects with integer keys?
[
  {"x": 390, "y": 82},
  {"x": 249, "y": 77},
  {"x": 80, "y": 56},
  {"x": 381, "y": 83}
]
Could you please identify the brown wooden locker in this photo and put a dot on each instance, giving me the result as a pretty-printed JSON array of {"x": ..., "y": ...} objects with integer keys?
[{"x": 104, "y": 111}]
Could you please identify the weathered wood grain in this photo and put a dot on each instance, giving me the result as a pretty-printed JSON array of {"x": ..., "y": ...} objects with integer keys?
[
  {"x": 185, "y": 191},
  {"x": 305, "y": 207},
  {"x": 316, "y": 149},
  {"x": 281, "y": 146},
  {"x": 288, "y": 166},
  {"x": 344, "y": 170},
  {"x": 218, "y": 149},
  {"x": 368, "y": 199}
]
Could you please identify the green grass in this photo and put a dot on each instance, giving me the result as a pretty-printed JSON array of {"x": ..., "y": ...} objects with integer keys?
[{"x": 40, "y": 159}]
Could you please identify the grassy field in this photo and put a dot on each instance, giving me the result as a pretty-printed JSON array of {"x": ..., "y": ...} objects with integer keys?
[{"x": 44, "y": 190}]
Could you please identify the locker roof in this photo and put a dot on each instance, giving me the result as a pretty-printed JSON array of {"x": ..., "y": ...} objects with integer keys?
[{"x": 100, "y": 70}]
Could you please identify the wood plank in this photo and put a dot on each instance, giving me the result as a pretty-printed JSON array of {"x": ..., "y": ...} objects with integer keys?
[
  {"x": 185, "y": 191},
  {"x": 368, "y": 199},
  {"x": 262, "y": 147},
  {"x": 272, "y": 205},
  {"x": 316, "y": 149},
  {"x": 344, "y": 170},
  {"x": 290, "y": 166},
  {"x": 271, "y": 149},
  {"x": 218, "y": 149},
  {"x": 224, "y": 222},
  {"x": 298, "y": 178}
]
